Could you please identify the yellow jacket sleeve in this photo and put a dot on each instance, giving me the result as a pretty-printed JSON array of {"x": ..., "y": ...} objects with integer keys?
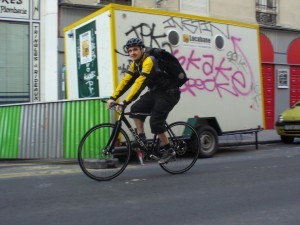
[
  {"x": 122, "y": 86},
  {"x": 136, "y": 88}
]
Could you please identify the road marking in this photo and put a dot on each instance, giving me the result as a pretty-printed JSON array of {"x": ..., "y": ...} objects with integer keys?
[
  {"x": 15, "y": 165},
  {"x": 39, "y": 173}
]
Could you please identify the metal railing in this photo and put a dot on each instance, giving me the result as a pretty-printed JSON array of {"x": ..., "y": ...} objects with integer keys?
[{"x": 266, "y": 14}]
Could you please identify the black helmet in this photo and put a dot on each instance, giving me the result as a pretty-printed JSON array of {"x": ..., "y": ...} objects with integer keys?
[{"x": 132, "y": 42}]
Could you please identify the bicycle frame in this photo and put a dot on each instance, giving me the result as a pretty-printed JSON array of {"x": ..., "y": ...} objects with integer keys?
[
  {"x": 118, "y": 125},
  {"x": 116, "y": 131}
]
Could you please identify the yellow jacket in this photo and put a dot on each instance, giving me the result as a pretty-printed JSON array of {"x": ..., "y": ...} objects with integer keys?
[{"x": 136, "y": 76}]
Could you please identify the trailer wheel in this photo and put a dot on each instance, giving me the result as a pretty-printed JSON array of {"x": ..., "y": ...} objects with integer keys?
[{"x": 209, "y": 141}]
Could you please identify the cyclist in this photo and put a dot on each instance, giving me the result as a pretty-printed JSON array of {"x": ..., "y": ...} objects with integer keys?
[{"x": 162, "y": 95}]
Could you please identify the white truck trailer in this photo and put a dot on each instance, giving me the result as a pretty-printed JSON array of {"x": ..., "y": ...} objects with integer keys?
[{"x": 221, "y": 58}]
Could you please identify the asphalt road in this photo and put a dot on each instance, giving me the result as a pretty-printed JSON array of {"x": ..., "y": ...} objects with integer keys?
[{"x": 239, "y": 186}]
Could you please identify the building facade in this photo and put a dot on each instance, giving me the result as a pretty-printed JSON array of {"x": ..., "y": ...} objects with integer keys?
[
  {"x": 280, "y": 52},
  {"x": 28, "y": 59}
]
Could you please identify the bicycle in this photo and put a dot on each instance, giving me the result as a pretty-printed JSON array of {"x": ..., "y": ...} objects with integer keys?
[{"x": 105, "y": 149}]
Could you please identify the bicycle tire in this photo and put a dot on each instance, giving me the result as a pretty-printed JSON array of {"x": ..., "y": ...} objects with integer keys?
[
  {"x": 97, "y": 165},
  {"x": 186, "y": 144}
]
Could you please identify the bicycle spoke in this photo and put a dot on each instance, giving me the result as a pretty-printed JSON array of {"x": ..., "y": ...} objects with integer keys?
[{"x": 185, "y": 141}]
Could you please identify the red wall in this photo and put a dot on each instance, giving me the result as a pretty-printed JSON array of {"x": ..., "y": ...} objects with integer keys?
[{"x": 267, "y": 58}]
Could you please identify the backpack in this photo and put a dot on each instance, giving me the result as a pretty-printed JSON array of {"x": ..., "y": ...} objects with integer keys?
[{"x": 168, "y": 65}]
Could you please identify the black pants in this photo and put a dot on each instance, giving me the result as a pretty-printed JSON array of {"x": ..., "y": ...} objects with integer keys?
[{"x": 159, "y": 104}]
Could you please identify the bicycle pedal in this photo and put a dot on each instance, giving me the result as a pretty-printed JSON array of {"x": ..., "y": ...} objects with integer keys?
[{"x": 154, "y": 157}]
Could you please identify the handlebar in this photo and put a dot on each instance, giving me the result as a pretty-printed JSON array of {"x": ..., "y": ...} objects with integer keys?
[{"x": 115, "y": 106}]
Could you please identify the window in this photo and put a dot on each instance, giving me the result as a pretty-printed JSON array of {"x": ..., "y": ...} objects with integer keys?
[
  {"x": 122, "y": 2},
  {"x": 266, "y": 5},
  {"x": 14, "y": 63},
  {"x": 266, "y": 12}
]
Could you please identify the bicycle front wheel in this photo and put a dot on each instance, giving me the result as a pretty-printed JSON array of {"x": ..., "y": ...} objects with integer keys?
[
  {"x": 98, "y": 157},
  {"x": 185, "y": 141}
]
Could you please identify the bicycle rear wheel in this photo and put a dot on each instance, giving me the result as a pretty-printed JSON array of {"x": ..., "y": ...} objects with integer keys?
[
  {"x": 94, "y": 157},
  {"x": 185, "y": 141}
]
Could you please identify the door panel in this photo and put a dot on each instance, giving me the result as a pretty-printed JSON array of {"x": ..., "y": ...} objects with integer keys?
[
  {"x": 268, "y": 84},
  {"x": 294, "y": 84}
]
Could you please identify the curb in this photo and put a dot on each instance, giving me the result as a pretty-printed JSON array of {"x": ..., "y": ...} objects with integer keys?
[{"x": 248, "y": 143}]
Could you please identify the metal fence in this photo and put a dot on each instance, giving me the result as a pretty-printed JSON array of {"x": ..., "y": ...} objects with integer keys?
[{"x": 49, "y": 129}]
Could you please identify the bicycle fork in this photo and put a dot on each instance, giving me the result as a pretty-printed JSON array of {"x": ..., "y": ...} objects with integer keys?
[{"x": 113, "y": 137}]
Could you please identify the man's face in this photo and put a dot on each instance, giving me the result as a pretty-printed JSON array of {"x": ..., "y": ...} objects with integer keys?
[{"x": 135, "y": 53}]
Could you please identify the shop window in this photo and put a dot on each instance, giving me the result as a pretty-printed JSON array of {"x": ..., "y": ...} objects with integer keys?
[
  {"x": 14, "y": 63},
  {"x": 266, "y": 12}
]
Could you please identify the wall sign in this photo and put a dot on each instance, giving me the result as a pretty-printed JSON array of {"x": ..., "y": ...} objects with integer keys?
[
  {"x": 283, "y": 78},
  {"x": 36, "y": 61},
  {"x": 15, "y": 9},
  {"x": 87, "y": 68}
]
